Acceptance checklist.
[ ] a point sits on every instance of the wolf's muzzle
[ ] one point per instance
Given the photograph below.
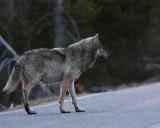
(104, 57)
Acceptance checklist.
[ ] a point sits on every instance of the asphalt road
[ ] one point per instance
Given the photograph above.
(130, 108)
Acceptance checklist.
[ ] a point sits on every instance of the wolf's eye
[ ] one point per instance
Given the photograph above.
(100, 46)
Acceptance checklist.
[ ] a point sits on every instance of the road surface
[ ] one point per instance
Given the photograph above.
(129, 108)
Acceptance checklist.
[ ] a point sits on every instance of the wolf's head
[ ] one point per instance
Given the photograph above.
(100, 52)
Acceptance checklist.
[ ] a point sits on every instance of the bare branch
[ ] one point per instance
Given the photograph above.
(8, 47)
(71, 36)
(74, 24)
(35, 24)
(6, 62)
(43, 25)
(4, 53)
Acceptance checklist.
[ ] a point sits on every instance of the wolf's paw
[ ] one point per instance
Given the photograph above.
(31, 112)
(65, 111)
(77, 109)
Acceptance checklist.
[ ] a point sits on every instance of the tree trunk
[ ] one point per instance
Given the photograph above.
(59, 21)
(11, 17)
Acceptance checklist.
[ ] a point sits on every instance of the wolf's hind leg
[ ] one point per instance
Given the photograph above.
(72, 92)
(25, 102)
(26, 90)
(64, 86)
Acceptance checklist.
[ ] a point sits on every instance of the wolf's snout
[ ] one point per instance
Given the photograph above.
(104, 57)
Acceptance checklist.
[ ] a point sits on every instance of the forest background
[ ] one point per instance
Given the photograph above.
(129, 31)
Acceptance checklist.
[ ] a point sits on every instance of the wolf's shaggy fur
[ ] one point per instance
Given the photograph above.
(63, 65)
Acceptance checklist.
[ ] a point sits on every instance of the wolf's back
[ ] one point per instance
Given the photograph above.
(15, 76)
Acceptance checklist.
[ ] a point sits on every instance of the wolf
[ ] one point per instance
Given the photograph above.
(56, 65)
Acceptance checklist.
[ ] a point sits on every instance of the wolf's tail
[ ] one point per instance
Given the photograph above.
(15, 76)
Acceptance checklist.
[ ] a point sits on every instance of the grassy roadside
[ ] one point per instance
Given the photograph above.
(33, 103)
(124, 86)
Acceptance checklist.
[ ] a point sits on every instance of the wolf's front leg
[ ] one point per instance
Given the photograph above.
(64, 86)
(73, 96)
(61, 99)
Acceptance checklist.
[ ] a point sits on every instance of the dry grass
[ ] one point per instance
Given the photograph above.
(123, 86)
(35, 102)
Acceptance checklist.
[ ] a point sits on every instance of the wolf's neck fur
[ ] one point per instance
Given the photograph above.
(82, 54)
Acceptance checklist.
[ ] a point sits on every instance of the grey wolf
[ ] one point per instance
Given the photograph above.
(56, 65)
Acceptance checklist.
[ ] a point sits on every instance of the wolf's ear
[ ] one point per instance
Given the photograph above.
(96, 38)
